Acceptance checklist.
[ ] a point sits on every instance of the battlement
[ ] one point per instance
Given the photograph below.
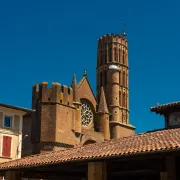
(56, 93)
(112, 38)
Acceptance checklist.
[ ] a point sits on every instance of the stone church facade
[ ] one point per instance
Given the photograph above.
(66, 117)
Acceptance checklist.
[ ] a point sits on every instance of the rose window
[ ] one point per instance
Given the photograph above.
(86, 113)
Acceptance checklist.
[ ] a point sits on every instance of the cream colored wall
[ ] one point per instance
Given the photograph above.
(15, 132)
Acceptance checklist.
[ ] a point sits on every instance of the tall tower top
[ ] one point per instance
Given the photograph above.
(112, 74)
(110, 36)
(113, 38)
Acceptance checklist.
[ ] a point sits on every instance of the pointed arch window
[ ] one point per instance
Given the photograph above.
(105, 57)
(120, 77)
(102, 58)
(127, 80)
(107, 53)
(123, 58)
(115, 54)
(124, 79)
(119, 55)
(110, 55)
(123, 100)
(120, 99)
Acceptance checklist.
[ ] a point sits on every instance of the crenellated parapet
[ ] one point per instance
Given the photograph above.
(57, 93)
(120, 39)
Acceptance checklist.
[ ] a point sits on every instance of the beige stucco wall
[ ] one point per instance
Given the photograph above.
(15, 132)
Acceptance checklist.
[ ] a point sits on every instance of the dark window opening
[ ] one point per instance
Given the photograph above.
(123, 99)
(60, 100)
(8, 121)
(119, 55)
(119, 77)
(123, 58)
(115, 54)
(69, 91)
(124, 79)
(110, 56)
(105, 57)
(105, 77)
(68, 103)
(62, 89)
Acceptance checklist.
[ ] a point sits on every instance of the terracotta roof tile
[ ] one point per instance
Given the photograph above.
(164, 107)
(157, 141)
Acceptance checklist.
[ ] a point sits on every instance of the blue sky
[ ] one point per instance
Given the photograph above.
(52, 40)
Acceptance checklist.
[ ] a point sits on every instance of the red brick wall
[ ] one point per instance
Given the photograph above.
(26, 143)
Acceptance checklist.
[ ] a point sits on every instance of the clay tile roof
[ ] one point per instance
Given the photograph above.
(157, 141)
(102, 107)
(165, 107)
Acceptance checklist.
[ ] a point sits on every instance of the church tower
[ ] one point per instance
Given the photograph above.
(112, 75)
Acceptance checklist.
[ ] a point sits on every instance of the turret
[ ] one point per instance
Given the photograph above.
(77, 105)
(75, 90)
(103, 116)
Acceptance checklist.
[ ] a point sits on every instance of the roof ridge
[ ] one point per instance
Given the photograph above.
(81, 81)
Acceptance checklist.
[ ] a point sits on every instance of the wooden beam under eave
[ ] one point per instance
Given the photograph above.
(50, 174)
(135, 172)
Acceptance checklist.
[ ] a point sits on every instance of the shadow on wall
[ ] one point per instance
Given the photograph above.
(89, 142)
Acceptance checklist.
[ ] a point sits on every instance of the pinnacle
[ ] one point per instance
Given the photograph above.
(75, 90)
(74, 81)
(102, 102)
(85, 73)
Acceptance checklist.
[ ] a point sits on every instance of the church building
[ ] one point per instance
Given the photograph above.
(66, 117)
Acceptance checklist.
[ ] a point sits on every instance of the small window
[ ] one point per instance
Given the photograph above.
(8, 121)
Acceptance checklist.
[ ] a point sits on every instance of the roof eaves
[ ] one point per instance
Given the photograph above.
(17, 107)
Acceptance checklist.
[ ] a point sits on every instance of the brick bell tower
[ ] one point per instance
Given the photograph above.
(112, 75)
